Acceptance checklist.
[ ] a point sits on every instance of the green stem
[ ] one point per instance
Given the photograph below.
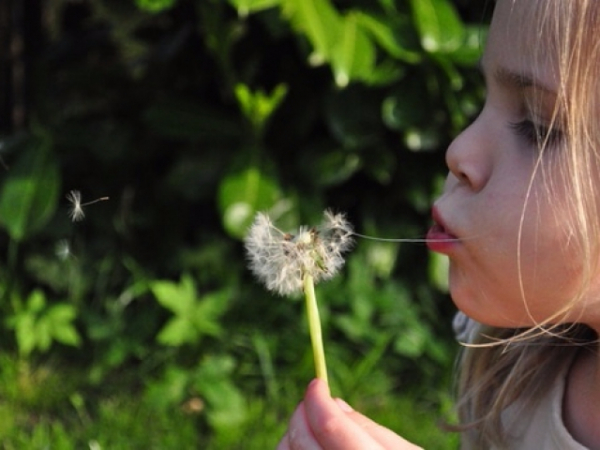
(314, 326)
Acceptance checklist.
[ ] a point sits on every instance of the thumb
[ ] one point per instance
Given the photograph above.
(331, 425)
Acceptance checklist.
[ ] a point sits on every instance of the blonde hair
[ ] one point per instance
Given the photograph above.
(506, 365)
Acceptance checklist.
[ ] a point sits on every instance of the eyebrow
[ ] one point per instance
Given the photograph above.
(509, 78)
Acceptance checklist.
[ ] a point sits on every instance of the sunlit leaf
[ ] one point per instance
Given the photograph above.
(438, 271)
(258, 106)
(176, 297)
(242, 195)
(319, 21)
(29, 195)
(388, 35)
(177, 331)
(353, 56)
(469, 53)
(37, 326)
(194, 316)
(439, 25)
(245, 7)
(60, 317)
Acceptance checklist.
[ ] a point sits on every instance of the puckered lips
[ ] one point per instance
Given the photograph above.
(440, 238)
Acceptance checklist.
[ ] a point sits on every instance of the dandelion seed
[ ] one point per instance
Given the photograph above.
(76, 212)
(63, 250)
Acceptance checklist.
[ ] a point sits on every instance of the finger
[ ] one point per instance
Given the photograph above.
(384, 436)
(330, 425)
(299, 435)
(283, 443)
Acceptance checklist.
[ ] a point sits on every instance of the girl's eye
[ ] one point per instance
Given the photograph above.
(537, 134)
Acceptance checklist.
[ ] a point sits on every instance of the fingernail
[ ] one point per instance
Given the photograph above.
(343, 405)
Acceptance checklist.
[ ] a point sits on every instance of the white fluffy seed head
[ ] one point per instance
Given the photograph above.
(280, 260)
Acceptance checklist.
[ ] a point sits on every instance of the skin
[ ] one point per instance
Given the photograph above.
(511, 265)
(322, 422)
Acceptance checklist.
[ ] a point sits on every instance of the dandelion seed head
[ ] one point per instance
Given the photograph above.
(281, 260)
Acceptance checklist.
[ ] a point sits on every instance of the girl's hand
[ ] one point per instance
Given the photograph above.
(323, 423)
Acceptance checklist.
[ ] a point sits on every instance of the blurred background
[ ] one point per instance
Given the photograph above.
(140, 326)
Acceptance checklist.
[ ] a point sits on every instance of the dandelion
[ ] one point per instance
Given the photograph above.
(76, 212)
(281, 260)
(289, 263)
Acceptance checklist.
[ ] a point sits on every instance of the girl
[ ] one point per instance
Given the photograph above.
(520, 222)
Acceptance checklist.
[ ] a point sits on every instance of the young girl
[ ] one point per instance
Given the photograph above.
(520, 223)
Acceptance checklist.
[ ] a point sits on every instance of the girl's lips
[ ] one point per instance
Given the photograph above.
(439, 238)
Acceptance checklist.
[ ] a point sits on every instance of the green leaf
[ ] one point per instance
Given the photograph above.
(422, 139)
(37, 326)
(388, 35)
(470, 52)
(179, 297)
(438, 271)
(319, 21)
(24, 326)
(178, 331)
(67, 334)
(353, 55)
(36, 302)
(440, 27)
(412, 341)
(29, 195)
(210, 308)
(194, 317)
(155, 6)
(246, 7)
(227, 406)
(242, 195)
(258, 106)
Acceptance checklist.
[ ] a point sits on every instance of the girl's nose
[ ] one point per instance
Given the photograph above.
(468, 157)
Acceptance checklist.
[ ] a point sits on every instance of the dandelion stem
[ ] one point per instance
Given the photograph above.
(314, 326)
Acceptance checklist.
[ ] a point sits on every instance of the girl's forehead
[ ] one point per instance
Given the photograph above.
(519, 43)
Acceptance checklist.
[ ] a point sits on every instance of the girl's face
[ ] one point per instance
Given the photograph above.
(513, 263)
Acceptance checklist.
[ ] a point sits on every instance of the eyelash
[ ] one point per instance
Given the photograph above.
(537, 134)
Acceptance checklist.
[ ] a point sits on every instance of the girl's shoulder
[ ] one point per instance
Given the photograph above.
(542, 426)
(530, 425)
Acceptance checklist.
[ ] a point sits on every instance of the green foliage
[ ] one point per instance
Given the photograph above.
(192, 115)
(258, 107)
(242, 195)
(29, 192)
(38, 325)
(439, 26)
(193, 317)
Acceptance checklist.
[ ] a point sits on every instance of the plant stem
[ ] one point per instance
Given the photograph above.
(314, 326)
